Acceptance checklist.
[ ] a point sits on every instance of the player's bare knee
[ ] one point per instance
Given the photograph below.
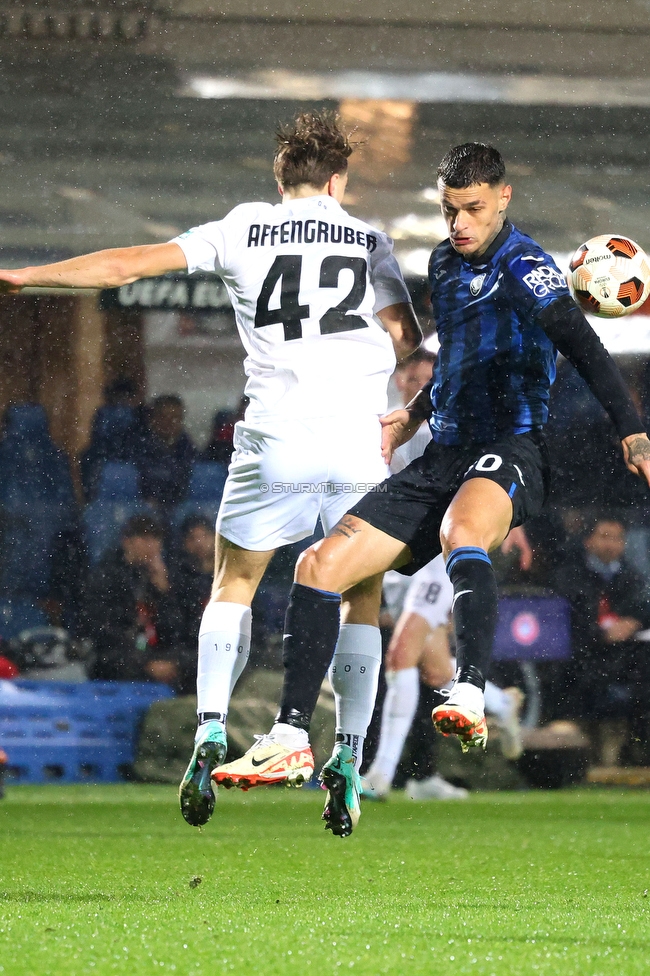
(458, 532)
(454, 534)
(318, 569)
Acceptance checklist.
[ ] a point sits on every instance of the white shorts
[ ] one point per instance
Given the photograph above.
(280, 481)
(394, 590)
(429, 593)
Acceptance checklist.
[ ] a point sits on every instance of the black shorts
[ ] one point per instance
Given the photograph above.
(410, 506)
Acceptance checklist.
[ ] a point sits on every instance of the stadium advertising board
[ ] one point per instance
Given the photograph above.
(198, 293)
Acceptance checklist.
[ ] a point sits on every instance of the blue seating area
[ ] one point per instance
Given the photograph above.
(204, 493)
(54, 731)
(117, 498)
(32, 468)
(38, 504)
(18, 615)
(114, 437)
(72, 733)
(37, 501)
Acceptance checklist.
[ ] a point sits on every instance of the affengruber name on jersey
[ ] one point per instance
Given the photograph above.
(308, 232)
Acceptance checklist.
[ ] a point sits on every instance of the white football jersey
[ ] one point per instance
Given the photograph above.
(431, 593)
(305, 279)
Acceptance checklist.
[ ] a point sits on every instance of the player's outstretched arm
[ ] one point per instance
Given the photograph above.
(402, 325)
(102, 269)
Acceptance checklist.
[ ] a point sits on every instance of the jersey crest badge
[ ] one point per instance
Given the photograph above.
(476, 284)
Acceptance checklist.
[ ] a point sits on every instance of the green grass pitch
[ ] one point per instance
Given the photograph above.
(103, 880)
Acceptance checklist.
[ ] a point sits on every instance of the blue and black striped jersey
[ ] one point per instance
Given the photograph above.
(496, 364)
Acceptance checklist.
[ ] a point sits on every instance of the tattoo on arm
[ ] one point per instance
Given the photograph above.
(639, 450)
(345, 527)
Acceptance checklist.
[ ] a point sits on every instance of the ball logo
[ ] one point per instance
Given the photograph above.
(476, 284)
(525, 628)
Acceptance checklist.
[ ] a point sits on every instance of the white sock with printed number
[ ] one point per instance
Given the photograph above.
(400, 705)
(224, 646)
(353, 674)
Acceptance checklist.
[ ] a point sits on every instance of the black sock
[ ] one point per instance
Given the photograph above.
(311, 629)
(475, 611)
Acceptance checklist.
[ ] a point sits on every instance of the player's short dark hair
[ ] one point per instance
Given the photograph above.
(472, 163)
(141, 525)
(311, 149)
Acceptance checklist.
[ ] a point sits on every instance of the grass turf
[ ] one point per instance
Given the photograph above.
(106, 880)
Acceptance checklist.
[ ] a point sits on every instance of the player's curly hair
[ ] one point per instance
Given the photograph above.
(471, 163)
(311, 149)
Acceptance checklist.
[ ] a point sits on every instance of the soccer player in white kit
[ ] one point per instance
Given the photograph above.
(419, 650)
(308, 283)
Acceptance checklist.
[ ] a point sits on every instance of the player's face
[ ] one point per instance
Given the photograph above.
(606, 542)
(199, 542)
(142, 550)
(474, 215)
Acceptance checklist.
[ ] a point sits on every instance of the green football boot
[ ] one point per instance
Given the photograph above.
(196, 794)
(343, 784)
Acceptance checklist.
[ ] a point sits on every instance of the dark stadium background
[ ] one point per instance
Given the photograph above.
(125, 123)
(104, 142)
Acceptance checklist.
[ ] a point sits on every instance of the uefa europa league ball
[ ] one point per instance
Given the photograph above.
(610, 276)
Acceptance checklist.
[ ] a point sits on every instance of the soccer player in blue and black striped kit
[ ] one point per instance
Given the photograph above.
(503, 311)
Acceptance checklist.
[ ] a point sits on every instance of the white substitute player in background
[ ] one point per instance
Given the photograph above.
(419, 647)
(419, 650)
(306, 280)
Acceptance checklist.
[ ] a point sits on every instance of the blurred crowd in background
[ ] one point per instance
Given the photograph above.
(114, 556)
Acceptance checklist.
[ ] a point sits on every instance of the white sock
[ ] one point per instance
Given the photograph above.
(497, 703)
(353, 674)
(290, 736)
(467, 696)
(400, 704)
(224, 646)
